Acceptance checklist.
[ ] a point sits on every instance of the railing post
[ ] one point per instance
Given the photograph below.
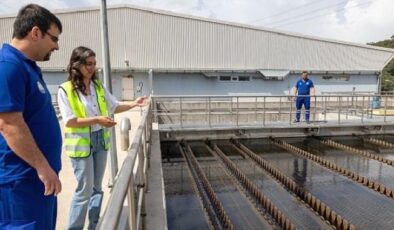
(385, 107)
(142, 178)
(264, 106)
(325, 108)
(369, 107)
(154, 105)
(347, 108)
(147, 143)
(339, 109)
(255, 109)
(280, 108)
(143, 158)
(141, 182)
(209, 111)
(125, 127)
(362, 111)
(237, 111)
(314, 108)
(131, 205)
(206, 110)
(181, 113)
(291, 109)
(143, 213)
(148, 140)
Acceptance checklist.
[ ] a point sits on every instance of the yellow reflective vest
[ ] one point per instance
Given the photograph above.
(77, 141)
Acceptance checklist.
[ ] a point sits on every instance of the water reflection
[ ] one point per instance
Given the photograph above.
(300, 172)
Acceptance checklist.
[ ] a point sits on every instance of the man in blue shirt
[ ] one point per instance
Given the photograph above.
(30, 136)
(304, 88)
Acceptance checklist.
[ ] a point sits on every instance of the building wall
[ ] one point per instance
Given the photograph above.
(356, 83)
(198, 84)
(54, 79)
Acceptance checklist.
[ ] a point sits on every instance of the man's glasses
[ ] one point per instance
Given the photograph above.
(53, 37)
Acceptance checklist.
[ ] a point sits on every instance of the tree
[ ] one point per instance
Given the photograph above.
(388, 71)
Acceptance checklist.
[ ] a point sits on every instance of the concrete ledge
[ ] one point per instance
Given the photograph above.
(156, 217)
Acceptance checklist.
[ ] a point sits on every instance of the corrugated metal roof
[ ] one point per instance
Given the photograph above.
(157, 39)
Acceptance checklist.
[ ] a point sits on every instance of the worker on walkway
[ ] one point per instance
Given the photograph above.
(85, 106)
(303, 89)
(30, 136)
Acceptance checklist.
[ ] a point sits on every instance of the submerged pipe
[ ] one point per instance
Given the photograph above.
(318, 206)
(268, 206)
(357, 151)
(212, 205)
(376, 186)
(378, 142)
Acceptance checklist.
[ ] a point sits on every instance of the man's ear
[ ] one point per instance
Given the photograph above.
(35, 33)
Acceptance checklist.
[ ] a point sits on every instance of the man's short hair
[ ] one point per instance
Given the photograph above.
(304, 71)
(34, 15)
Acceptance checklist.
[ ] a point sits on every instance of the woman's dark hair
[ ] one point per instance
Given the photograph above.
(34, 15)
(77, 59)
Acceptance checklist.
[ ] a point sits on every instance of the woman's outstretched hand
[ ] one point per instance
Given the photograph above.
(141, 101)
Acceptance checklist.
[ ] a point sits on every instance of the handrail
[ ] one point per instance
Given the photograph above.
(198, 111)
(334, 94)
(125, 180)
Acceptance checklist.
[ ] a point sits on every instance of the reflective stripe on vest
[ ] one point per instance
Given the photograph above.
(77, 140)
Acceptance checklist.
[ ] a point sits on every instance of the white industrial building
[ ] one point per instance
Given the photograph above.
(198, 56)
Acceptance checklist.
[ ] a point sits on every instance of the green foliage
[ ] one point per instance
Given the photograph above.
(388, 71)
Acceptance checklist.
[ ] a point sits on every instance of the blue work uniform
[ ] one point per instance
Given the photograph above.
(303, 89)
(22, 201)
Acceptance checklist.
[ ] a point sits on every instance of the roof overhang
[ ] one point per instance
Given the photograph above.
(274, 74)
(214, 73)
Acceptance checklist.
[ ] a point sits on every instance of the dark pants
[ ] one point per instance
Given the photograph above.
(306, 101)
(24, 206)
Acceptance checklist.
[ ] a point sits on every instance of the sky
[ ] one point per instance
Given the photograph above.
(359, 21)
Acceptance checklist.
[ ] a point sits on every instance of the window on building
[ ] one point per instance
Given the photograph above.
(336, 77)
(243, 78)
(225, 78)
(234, 78)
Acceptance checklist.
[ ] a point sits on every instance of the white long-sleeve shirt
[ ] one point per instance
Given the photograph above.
(90, 103)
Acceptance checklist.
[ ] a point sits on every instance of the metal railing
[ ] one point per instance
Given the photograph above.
(131, 181)
(357, 93)
(210, 110)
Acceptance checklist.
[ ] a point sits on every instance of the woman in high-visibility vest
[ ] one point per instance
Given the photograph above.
(85, 105)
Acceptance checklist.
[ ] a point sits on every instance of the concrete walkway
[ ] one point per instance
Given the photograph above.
(68, 179)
